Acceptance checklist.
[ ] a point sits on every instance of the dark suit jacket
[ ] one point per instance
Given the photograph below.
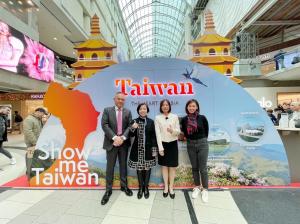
(109, 126)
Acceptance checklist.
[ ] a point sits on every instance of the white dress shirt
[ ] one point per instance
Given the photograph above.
(163, 122)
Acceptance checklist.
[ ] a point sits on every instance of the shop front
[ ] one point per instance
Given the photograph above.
(24, 103)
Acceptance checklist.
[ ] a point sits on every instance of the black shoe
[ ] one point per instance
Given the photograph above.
(127, 191)
(140, 193)
(146, 193)
(172, 195)
(165, 194)
(106, 197)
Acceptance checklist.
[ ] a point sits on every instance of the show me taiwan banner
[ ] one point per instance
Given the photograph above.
(244, 147)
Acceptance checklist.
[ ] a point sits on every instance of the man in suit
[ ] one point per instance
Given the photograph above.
(116, 124)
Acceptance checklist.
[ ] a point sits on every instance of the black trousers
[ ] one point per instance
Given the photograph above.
(4, 152)
(143, 177)
(111, 156)
(198, 154)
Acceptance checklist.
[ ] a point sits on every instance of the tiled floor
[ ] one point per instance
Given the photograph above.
(16, 147)
(83, 206)
(9, 172)
(221, 208)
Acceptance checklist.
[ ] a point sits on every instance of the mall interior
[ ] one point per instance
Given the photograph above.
(251, 47)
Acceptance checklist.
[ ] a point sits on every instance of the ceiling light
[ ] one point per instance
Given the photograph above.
(10, 2)
(20, 2)
(37, 9)
(20, 10)
(54, 38)
(30, 2)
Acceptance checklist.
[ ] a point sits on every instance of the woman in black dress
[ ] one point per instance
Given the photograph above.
(144, 148)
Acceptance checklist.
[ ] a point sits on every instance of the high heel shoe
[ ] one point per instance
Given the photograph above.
(172, 195)
(165, 194)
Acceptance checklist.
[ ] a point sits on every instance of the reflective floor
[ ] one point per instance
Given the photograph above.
(238, 206)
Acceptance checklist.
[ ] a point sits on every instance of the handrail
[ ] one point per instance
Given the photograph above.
(95, 59)
(63, 69)
(271, 60)
(210, 55)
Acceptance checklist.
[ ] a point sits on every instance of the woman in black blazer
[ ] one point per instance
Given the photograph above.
(144, 148)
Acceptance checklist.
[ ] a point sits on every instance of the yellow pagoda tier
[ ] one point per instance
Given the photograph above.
(213, 50)
(93, 55)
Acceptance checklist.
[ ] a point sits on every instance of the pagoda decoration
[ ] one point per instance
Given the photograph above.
(93, 55)
(213, 50)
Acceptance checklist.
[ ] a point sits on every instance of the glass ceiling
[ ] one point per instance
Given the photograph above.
(155, 27)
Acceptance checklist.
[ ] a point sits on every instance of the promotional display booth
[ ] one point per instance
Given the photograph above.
(245, 149)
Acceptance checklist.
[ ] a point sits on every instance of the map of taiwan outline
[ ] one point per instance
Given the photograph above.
(78, 117)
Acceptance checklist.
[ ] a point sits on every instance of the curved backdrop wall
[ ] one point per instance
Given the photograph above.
(245, 148)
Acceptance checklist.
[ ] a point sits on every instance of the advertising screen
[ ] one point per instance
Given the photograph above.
(22, 55)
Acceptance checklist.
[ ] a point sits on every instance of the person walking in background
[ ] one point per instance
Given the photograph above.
(195, 128)
(272, 116)
(144, 148)
(32, 126)
(294, 121)
(116, 124)
(167, 130)
(284, 108)
(279, 59)
(287, 108)
(4, 111)
(18, 122)
(277, 113)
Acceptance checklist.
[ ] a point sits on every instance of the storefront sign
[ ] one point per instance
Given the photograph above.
(21, 96)
(264, 103)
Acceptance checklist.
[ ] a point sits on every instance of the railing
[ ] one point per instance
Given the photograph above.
(79, 79)
(281, 61)
(95, 59)
(211, 55)
(62, 69)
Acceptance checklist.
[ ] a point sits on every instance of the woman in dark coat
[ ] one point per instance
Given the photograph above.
(144, 148)
(4, 111)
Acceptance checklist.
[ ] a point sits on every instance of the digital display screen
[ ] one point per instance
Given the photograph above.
(22, 55)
